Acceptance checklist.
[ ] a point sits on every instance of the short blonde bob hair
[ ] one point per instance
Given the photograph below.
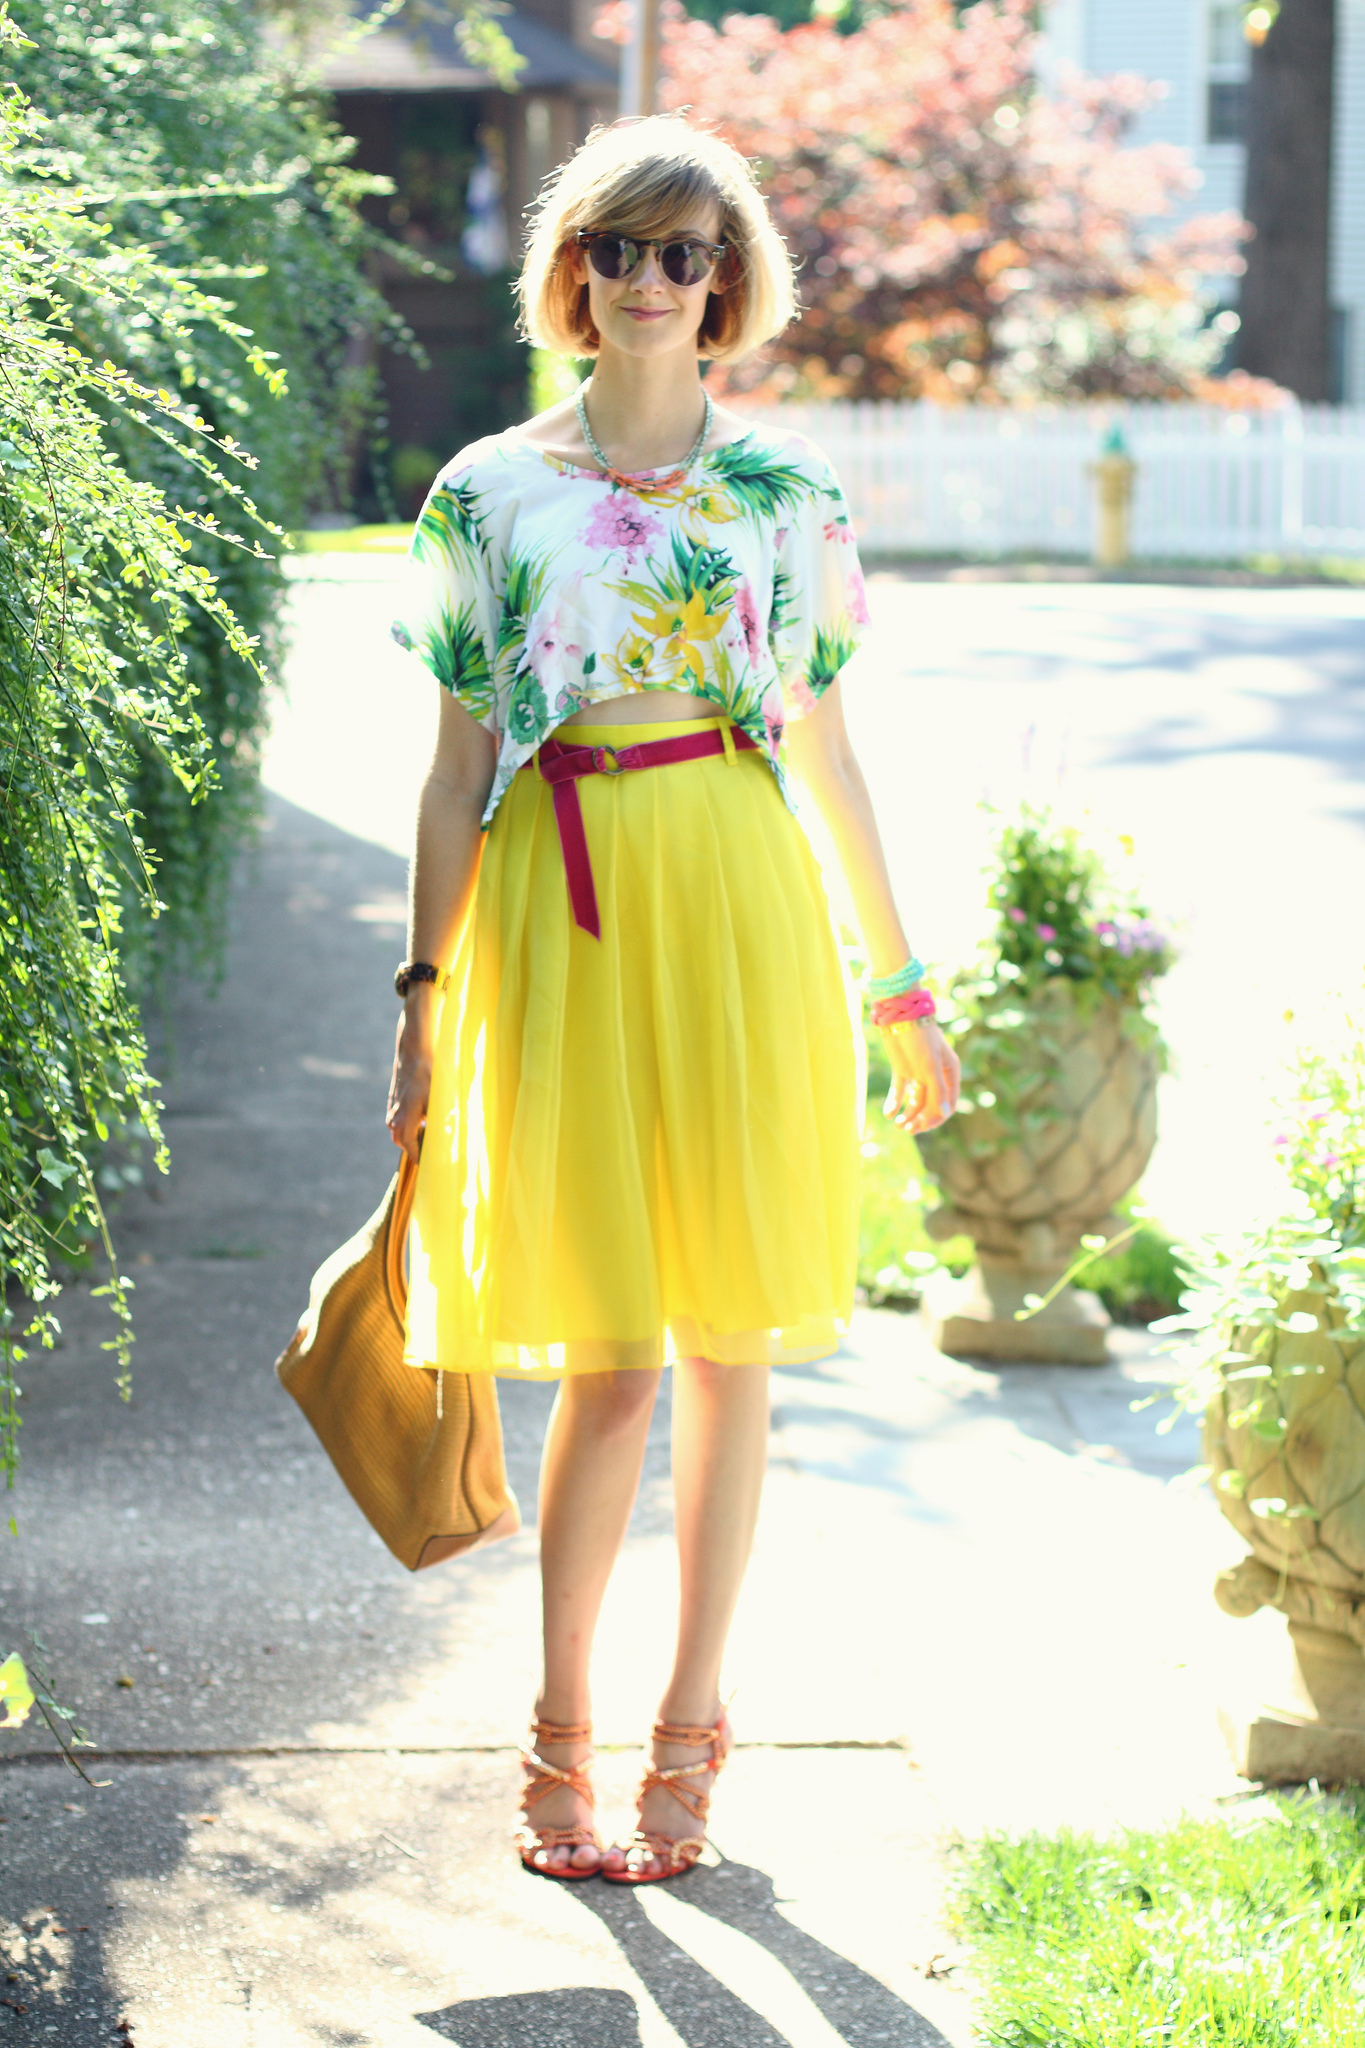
(649, 178)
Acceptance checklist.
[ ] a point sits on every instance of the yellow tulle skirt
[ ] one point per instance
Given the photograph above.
(642, 1146)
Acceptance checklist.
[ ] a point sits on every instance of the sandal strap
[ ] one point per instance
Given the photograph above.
(677, 1853)
(697, 1802)
(559, 1838)
(688, 1737)
(561, 1731)
(545, 1778)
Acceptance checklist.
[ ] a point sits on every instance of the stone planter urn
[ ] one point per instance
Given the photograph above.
(1293, 1485)
(1026, 1197)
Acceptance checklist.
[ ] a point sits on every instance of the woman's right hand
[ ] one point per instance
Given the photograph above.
(410, 1088)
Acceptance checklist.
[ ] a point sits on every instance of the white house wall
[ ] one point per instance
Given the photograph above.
(1348, 189)
(1169, 40)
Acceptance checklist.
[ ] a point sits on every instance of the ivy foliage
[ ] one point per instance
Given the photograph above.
(176, 221)
(192, 135)
(1256, 1302)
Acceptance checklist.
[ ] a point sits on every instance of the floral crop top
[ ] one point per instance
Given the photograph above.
(535, 587)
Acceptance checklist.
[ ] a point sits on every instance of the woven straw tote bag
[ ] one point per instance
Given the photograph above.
(420, 1451)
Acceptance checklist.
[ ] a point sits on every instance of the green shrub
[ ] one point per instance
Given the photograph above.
(187, 135)
(177, 167)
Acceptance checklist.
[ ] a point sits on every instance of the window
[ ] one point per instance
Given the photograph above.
(1225, 112)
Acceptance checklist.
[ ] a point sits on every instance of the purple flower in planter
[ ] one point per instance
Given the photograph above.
(1016, 915)
(1047, 932)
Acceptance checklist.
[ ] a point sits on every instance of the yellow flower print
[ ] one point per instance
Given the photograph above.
(630, 665)
(681, 627)
(700, 504)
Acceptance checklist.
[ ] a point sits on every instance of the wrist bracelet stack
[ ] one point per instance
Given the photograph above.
(898, 984)
(897, 998)
(411, 971)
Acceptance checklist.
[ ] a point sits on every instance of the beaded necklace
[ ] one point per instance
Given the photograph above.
(628, 483)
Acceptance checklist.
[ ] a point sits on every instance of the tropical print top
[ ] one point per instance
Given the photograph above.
(535, 587)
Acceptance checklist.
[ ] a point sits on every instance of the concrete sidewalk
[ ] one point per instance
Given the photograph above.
(976, 1600)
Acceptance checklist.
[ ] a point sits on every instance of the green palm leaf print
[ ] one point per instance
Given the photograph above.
(762, 485)
(449, 526)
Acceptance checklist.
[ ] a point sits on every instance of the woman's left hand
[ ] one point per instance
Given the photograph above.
(925, 1075)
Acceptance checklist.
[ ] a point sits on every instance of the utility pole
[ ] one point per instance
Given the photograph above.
(1284, 302)
(640, 60)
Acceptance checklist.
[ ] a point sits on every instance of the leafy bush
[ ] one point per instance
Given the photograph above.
(962, 234)
(185, 135)
(133, 617)
(1295, 1274)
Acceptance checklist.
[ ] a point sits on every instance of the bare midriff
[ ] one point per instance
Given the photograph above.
(646, 707)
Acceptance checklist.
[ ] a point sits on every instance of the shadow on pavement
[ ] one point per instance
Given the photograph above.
(704, 2012)
(540, 2019)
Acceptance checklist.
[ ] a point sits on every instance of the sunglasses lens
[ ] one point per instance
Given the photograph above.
(616, 256)
(685, 262)
(613, 256)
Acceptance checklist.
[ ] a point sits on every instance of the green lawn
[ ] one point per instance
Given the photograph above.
(1242, 1932)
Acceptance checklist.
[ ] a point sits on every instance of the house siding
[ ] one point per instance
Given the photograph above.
(1169, 40)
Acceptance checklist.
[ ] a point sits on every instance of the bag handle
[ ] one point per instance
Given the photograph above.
(396, 1237)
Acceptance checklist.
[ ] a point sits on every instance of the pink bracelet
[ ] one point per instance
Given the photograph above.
(916, 1003)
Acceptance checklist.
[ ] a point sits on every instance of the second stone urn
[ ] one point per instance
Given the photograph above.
(1285, 1445)
(1082, 1136)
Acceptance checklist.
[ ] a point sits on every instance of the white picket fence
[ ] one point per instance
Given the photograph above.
(1211, 484)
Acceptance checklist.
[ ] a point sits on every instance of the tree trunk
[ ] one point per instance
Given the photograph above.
(1285, 302)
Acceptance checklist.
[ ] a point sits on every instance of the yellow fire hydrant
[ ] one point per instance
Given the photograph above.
(1114, 474)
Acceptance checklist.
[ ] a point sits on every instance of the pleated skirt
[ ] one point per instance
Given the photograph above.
(643, 1146)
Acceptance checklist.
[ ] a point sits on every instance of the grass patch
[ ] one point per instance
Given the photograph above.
(1244, 1932)
(352, 540)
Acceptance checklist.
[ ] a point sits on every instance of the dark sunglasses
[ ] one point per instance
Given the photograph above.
(618, 256)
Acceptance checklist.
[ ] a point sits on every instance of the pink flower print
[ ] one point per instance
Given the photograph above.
(855, 591)
(557, 640)
(621, 522)
(746, 611)
(773, 719)
(801, 697)
(1047, 932)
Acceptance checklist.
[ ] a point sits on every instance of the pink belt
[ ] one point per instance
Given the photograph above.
(562, 766)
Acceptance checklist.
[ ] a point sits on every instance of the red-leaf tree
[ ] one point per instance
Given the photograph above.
(961, 234)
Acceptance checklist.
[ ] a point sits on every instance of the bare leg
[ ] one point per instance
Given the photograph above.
(589, 1474)
(720, 1453)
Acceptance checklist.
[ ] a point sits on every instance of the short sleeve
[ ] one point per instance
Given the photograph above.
(819, 605)
(448, 612)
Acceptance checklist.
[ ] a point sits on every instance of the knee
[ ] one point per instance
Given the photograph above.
(612, 1404)
(718, 1384)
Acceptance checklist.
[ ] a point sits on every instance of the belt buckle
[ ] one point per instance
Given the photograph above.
(599, 764)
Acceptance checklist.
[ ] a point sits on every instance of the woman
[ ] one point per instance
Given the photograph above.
(625, 1028)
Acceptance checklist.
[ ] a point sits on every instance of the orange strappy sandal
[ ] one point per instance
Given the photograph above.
(673, 1857)
(533, 1842)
